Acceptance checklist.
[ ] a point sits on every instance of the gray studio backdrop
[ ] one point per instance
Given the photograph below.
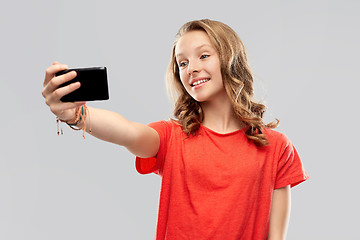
(304, 55)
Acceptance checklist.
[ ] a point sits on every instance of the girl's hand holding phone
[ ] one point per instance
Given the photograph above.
(52, 93)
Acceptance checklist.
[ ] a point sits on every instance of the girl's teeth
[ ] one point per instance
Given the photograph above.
(201, 81)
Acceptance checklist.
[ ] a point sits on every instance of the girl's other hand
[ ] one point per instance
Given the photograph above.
(52, 93)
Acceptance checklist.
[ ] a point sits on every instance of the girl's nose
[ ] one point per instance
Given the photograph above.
(194, 66)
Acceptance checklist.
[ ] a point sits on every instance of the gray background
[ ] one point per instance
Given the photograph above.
(304, 55)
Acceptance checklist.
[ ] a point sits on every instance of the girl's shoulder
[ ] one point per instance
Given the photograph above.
(171, 123)
(276, 137)
(166, 127)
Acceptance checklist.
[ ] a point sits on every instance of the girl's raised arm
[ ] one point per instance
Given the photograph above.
(141, 140)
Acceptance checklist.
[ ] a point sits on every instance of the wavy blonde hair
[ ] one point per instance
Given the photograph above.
(237, 78)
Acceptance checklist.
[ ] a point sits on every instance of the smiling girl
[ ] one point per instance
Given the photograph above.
(225, 173)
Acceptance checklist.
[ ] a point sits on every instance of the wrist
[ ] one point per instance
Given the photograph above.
(77, 117)
(78, 122)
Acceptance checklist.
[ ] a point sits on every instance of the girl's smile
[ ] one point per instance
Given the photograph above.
(198, 82)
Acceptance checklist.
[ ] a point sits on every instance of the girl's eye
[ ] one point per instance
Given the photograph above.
(182, 64)
(204, 56)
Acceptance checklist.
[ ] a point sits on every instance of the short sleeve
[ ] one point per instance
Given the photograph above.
(290, 169)
(154, 164)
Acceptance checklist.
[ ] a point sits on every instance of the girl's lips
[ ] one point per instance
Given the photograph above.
(199, 85)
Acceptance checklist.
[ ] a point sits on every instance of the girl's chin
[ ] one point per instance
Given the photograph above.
(200, 100)
(197, 98)
(201, 97)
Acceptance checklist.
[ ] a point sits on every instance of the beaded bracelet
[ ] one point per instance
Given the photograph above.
(77, 118)
(81, 113)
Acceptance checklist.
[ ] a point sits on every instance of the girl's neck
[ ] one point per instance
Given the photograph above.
(219, 116)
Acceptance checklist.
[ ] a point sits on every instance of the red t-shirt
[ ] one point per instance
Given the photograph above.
(218, 186)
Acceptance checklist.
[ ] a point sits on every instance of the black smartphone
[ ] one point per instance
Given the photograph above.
(94, 84)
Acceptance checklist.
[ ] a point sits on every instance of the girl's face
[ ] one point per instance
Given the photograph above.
(199, 66)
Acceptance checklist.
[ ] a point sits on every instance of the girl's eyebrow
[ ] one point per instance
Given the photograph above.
(198, 47)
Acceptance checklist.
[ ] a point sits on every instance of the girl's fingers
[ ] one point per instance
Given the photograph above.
(50, 71)
(60, 92)
(57, 81)
(54, 97)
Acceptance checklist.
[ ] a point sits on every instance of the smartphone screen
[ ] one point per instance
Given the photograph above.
(94, 84)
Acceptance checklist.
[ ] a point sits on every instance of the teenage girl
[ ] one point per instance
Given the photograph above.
(225, 173)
